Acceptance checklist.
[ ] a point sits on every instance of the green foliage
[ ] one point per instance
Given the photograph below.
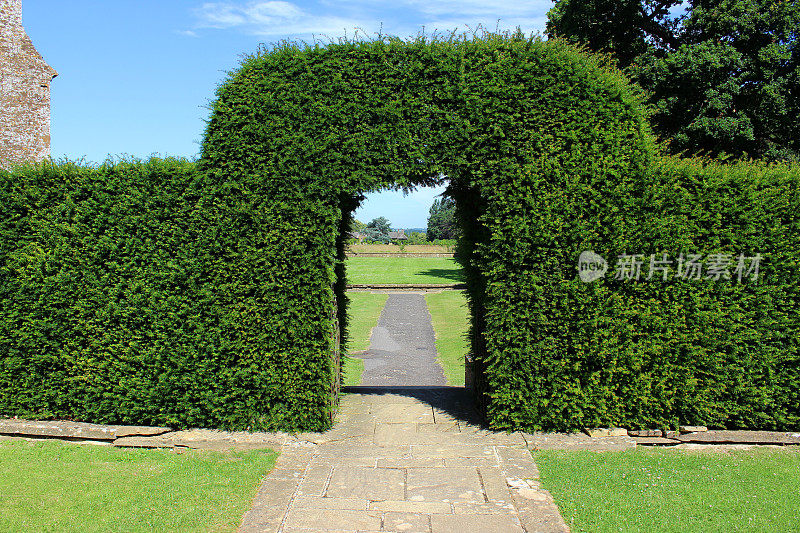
(442, 220)
(139, 293)
(381, 225)
(724, 78)
(651, 353)
(161, 293)
(357, 225)
(417, 237)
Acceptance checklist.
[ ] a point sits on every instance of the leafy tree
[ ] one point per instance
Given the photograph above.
(381, 225)
(417, 237)
(378, 229)
(723, 77)
(442, 220)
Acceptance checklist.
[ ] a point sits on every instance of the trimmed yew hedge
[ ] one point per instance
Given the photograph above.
(305, 132)
(561, 354)
(171, 293)
(134, 293)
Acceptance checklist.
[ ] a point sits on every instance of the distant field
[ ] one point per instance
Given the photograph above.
(393, 248)
(433, 270)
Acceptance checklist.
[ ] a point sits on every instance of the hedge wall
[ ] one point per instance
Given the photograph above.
(563, 354)
(134, 293)
(208, 295)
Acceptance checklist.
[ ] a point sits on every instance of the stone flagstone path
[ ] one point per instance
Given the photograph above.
(404, 459)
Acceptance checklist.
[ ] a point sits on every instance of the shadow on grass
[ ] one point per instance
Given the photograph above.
(444, 274)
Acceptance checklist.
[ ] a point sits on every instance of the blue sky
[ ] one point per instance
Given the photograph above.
(136, 76)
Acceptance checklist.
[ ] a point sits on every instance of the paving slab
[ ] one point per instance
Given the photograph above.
(445, 485)
(64, 429)
(476, 522)
(367, 483)
(407, 522)
(441, 474)
(333, 519)
(741, 437)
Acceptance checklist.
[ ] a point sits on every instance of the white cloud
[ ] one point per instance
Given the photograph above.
(401, 17)
(219, 15)
(186, 33)
(271, 18)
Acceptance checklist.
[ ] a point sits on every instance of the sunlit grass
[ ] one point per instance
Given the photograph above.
(57, 486)
(365, 309)
(378, 270)
(450, 317)
(664, 490)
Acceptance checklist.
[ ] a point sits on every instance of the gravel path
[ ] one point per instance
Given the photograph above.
(402, 348)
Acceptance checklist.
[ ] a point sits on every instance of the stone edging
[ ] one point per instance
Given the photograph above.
(699, 435)
(608, 439)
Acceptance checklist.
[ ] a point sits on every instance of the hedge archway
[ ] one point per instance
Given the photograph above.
(533, 138)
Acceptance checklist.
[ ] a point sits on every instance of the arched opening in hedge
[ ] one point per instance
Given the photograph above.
(172, 293)
(529, 134)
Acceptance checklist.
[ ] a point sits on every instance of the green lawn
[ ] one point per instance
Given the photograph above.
(57, 486)
(434, 270)
(662, 490)
(365, 309)
(450, 317)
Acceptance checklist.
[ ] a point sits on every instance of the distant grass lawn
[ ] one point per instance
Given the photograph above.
(433, 270)
(365, 309)
(395, 249)
(662, 490)
(57, 486)
(450, 317)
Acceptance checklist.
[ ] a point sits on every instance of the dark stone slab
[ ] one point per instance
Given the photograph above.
(741, 437)
(62, 429)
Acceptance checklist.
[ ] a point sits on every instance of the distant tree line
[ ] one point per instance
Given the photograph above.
(442, 225)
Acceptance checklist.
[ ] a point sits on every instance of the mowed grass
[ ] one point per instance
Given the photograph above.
(662, 490)
(378, 270)
(57, 486)
(396, 249)
(450, 317)
(364, 311)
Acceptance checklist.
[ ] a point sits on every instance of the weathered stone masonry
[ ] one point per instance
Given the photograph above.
(24, 92)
